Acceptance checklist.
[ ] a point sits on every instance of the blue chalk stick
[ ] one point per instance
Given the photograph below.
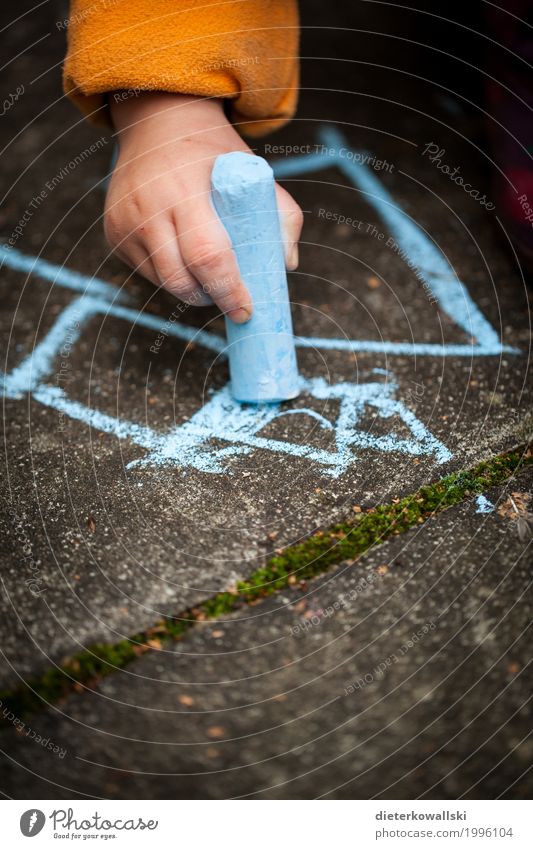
(262, 356)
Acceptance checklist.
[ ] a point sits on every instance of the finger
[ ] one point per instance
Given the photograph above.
(206, 250)
(136, 256)
(291, 220)
(124, 242)
(172, 275)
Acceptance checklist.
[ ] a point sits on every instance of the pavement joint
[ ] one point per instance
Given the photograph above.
(344, 542)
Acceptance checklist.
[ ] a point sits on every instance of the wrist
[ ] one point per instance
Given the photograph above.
(130, 111)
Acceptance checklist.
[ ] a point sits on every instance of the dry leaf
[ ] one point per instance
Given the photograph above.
(515, 505)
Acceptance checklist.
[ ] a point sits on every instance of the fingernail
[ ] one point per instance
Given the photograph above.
(292, 261)
(239, 316)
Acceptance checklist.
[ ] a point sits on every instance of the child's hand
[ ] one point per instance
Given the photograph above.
(159, 217)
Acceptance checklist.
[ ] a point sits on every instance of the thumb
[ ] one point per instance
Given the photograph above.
(291, 220)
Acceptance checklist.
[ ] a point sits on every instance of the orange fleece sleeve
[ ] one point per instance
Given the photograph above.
(244, 50)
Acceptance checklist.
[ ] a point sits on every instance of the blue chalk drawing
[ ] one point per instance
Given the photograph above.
(432, 267)
(483, 505)
(196, 443)
(240, 425)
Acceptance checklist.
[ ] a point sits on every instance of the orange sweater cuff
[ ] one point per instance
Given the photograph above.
(246, 51)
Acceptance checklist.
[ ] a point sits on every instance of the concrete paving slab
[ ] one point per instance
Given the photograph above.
(135, 489)
(119, 540)
(404, 675)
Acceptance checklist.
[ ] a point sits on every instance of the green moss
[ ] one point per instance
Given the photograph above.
(344, 541)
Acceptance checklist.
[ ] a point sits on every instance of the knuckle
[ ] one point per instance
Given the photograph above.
(112, 228)
(121, 216)
(178, 283)
(203, 255)
(221, 287)
(166, 271)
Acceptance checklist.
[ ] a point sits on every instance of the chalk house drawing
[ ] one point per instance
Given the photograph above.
(239, 425)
